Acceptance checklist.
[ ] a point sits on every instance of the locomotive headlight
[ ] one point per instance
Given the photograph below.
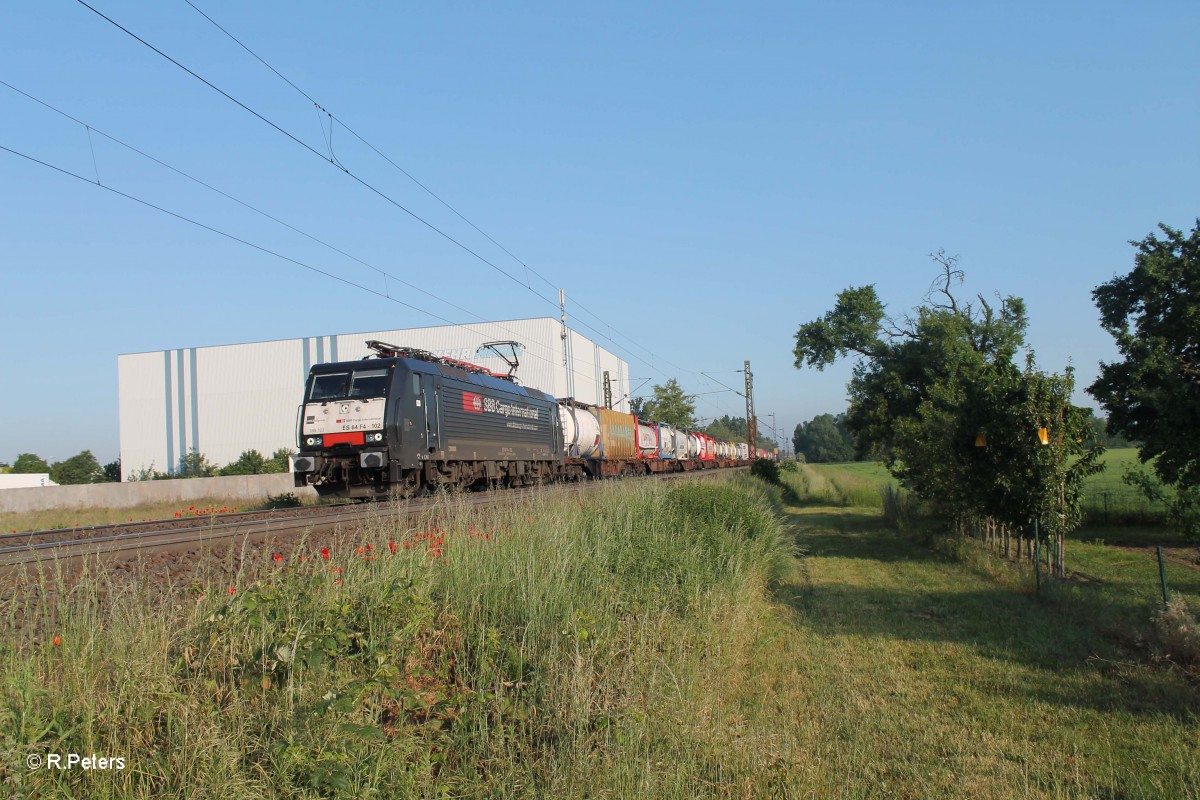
(312, 441)
(375, 437)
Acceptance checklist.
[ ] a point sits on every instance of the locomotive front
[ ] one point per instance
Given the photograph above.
(347, 433)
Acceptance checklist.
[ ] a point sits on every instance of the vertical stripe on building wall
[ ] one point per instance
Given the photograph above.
(333, 348)
(307, 361)
(182, 406)
(320, 349)
(195, 403)
(170, 425)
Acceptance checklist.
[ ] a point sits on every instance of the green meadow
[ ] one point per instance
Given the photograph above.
(722, 639)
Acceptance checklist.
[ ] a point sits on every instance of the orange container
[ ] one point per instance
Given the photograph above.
(618, 434)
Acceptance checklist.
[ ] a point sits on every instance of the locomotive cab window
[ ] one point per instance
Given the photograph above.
(369, 383)
(329, 385)
(361, 383)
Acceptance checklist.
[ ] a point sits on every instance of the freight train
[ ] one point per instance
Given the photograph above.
(407, 421)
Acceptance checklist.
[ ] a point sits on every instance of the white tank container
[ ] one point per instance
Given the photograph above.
(581, 432)
(647, 439)
(666, 439)
(681, 444)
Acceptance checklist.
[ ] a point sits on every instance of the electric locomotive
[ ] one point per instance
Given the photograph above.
(407, 420)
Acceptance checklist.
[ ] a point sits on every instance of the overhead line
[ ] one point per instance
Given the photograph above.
(317, 153)
(334, 118)
(332, 161)
(226, 195)
(431, 193)
(260, 248)
(243, 203)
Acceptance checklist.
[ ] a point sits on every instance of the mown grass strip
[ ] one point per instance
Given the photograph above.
(921, 677)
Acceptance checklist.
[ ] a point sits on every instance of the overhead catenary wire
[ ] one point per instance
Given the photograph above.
(528, 269)
(331, 159)
(334, 118)
(265, 214)
(229, 196)
(328, 159)
(258, 247)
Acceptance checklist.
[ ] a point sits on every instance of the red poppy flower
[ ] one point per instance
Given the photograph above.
(325, 553)
(278, 558)
(339, 570)
(57, 641)
(232, 590)
(392, 546)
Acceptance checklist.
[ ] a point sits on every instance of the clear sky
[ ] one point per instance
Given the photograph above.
(704, 177)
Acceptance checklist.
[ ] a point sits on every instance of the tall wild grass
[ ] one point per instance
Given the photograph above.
(563, 647)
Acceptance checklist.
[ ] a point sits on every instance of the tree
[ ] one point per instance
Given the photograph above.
(278, 462)
(112, 471)
(734, 429)
(250, 462)
(824, 439)
(193, 465)
(1152, 395)
(672, 406)
(938, 397)
(29, 463)
(81, 468)
(637, 407)
(1102, 431)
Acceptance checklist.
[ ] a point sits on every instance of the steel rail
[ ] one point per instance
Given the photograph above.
(260, 529)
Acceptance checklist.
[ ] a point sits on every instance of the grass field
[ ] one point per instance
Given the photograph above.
(652, 642)
(922, 677)
(50, 519)
(1107, 499)
(1115, 576)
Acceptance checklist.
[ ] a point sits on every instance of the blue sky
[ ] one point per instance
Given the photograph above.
(704, 177)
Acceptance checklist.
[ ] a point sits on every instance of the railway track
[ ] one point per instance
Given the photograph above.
(127, 540)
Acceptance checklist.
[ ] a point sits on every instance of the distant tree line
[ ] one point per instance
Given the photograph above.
(827, 439)
(195, 464)
(84, 468)
(81, 468)
(824, 439)
(733, 429)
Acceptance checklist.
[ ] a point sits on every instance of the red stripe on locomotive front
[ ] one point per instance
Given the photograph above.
(343, 438)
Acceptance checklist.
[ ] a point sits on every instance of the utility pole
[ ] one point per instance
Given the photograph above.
(751, 422)
(566, 343)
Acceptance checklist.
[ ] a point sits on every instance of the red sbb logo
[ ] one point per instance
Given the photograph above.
(472, 402)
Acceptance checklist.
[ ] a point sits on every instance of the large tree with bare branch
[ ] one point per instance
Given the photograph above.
(931, 385)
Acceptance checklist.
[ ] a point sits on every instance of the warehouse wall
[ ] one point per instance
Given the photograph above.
(227, 399)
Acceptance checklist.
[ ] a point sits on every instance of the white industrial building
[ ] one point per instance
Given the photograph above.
(224, 400)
